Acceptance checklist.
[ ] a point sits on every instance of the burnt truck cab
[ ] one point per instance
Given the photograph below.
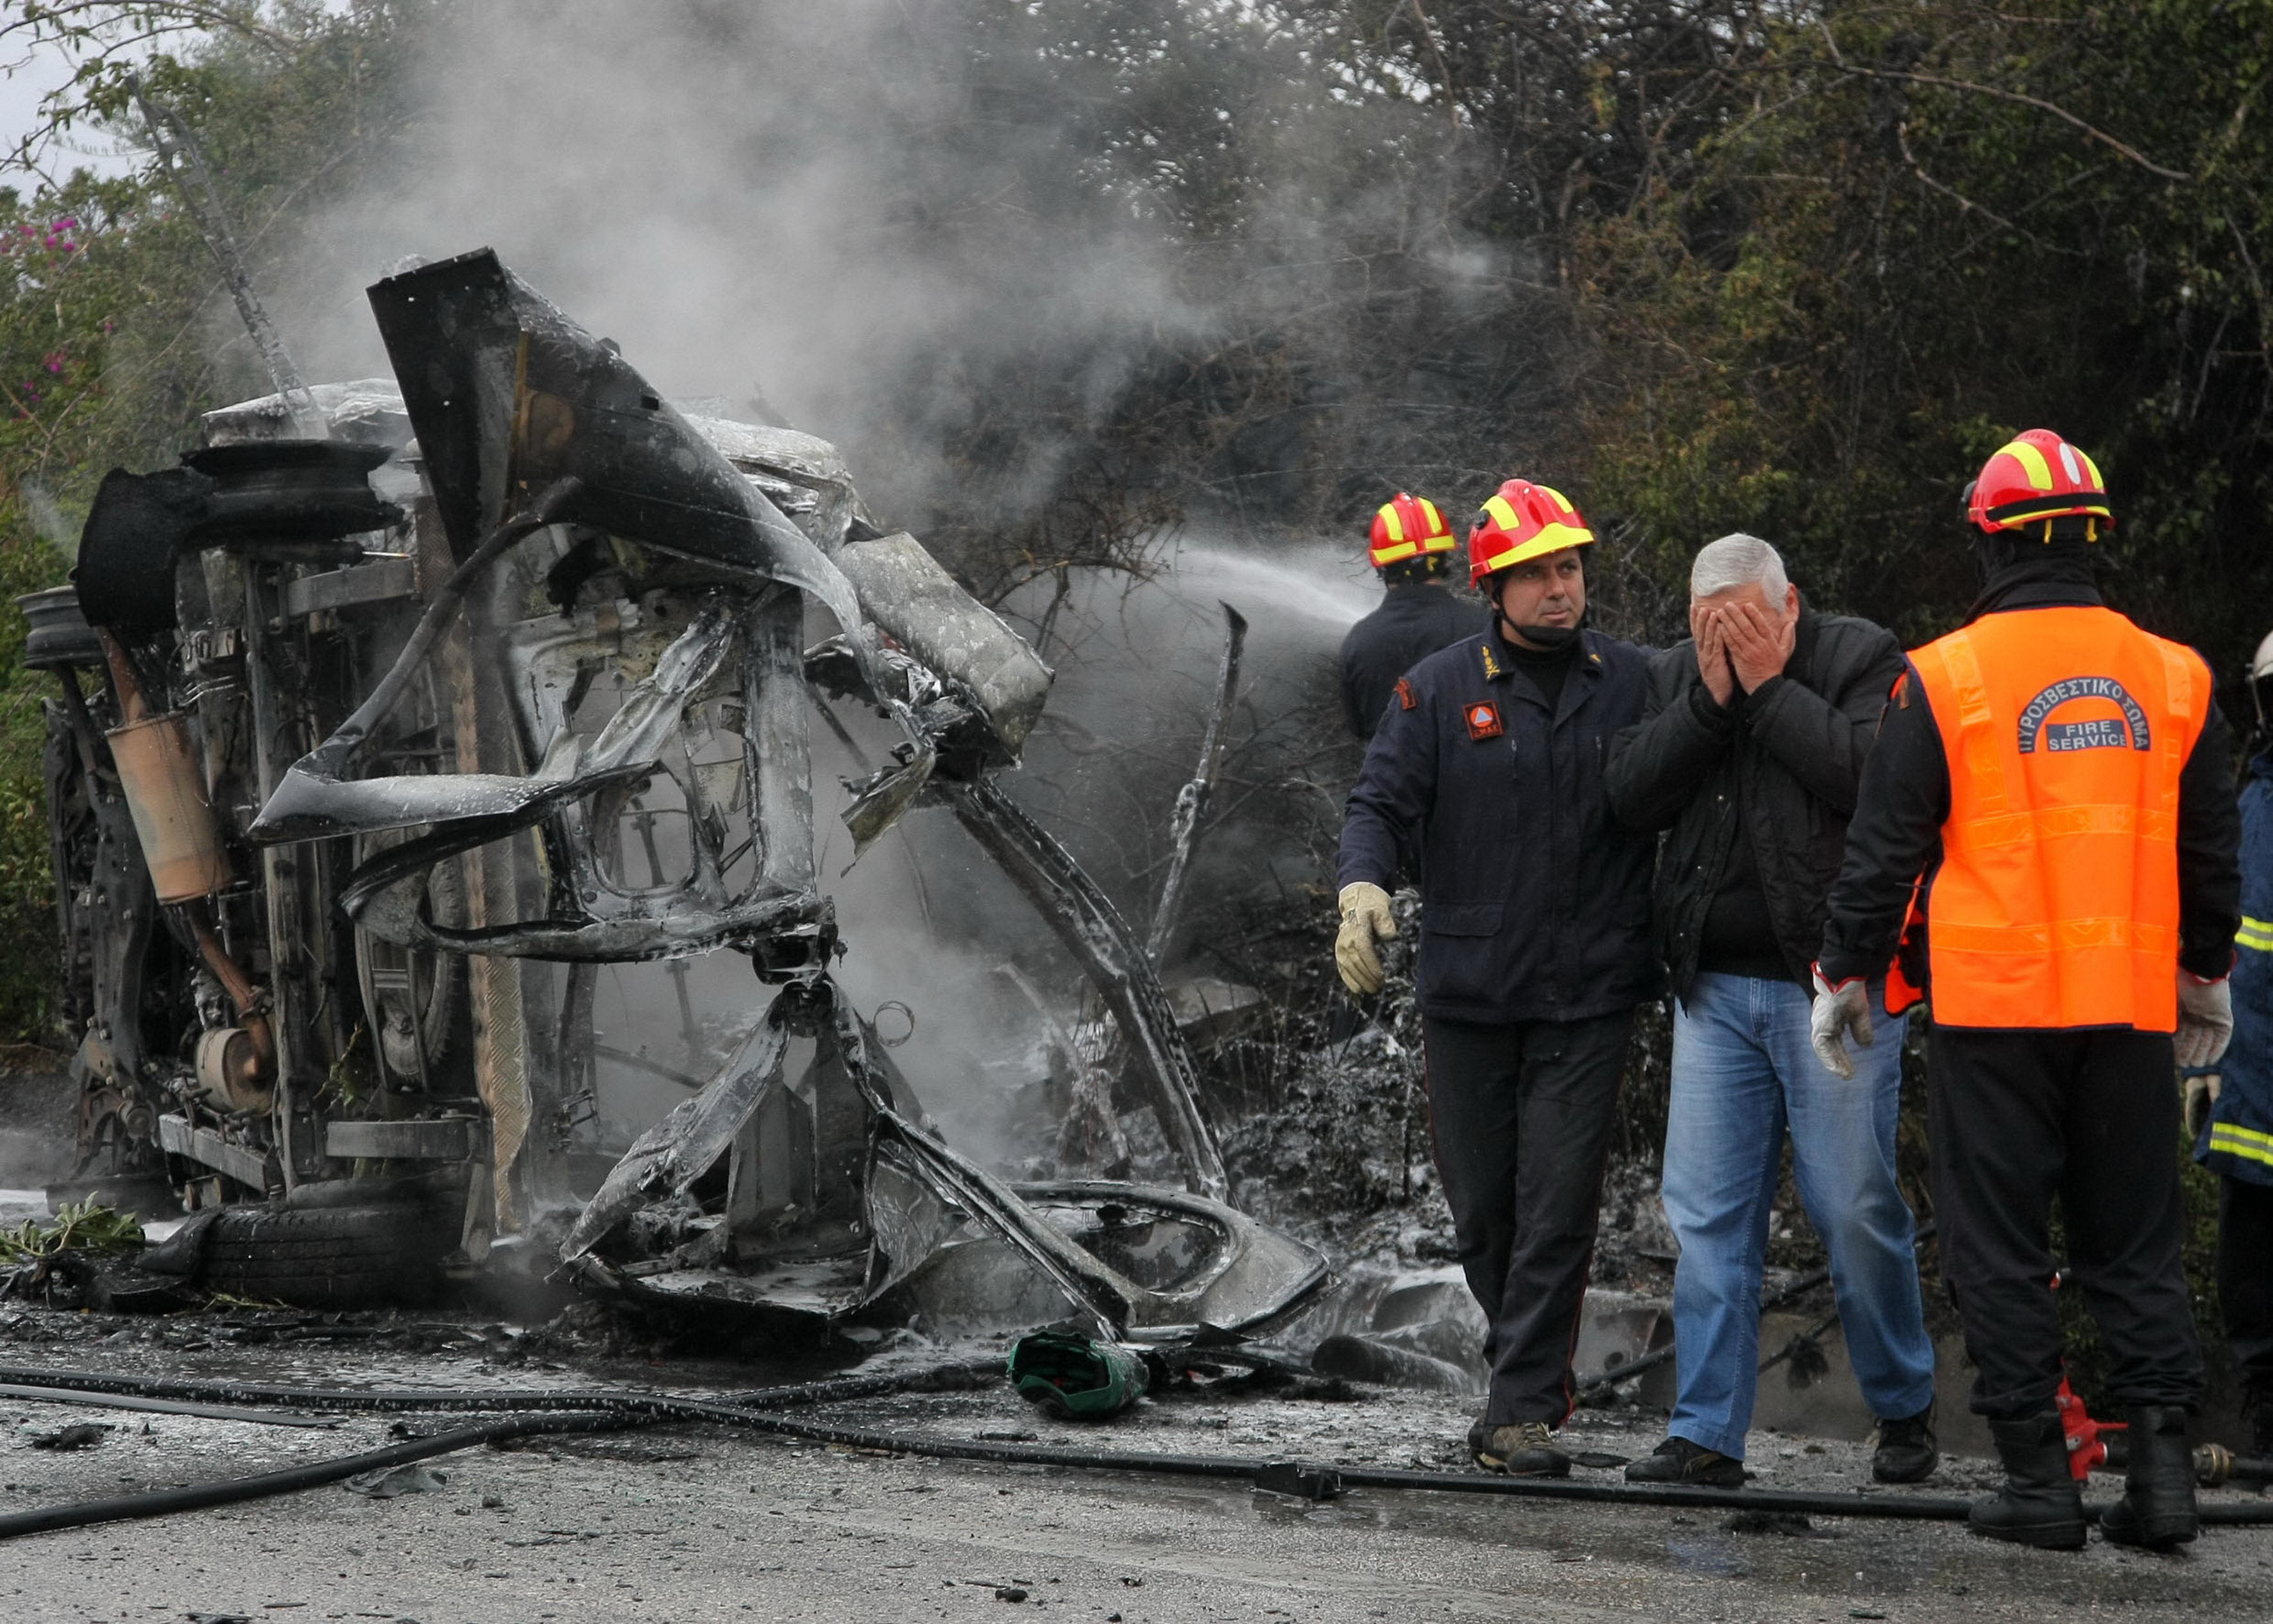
(403, 706)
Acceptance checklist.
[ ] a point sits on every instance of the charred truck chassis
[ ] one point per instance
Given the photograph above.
(346, 800)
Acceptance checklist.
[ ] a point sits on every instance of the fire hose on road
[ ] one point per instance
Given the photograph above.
(537, 1411)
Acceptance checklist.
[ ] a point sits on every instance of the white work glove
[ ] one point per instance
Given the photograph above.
(1365, 919)
(2205, 1019)
(2197, 1094)
(1839, 1011)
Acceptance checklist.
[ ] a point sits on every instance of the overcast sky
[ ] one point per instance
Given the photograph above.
(27, 78)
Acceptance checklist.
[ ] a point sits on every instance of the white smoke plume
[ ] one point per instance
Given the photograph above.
(895, 223)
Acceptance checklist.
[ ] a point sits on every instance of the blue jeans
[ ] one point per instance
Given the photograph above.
(1742, 1072)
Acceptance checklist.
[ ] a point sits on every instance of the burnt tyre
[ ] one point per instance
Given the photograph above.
(337, 1257)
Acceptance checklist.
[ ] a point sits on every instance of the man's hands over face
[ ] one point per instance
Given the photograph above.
(1760, 643)
(1711, 652)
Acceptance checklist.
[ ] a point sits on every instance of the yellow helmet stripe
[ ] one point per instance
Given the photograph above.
(1394, 553)
(1503, 511)
(2032, 463)
(1390, 522)
(1553, 538)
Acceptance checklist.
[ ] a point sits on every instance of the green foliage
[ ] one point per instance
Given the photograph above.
(1918, 228)
(78, 1226)
(115, 332)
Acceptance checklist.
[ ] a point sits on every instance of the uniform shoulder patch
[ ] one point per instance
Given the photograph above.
(1406, 697)
(1483, 719)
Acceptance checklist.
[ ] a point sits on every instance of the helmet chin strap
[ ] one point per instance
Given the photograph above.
(1548, 637)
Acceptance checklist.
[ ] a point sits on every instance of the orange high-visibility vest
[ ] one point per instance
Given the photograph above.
(2056, 901)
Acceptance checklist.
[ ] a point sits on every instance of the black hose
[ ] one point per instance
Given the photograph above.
(196, 1497)
(158, 1406)
(637, 1408)
(491, 1400)
(1846, 1504)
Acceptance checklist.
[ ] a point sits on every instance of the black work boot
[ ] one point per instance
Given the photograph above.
(2157, 1508)
(2260, 1406)
(1677, 1460)
(1907, 1451)
(2040, 1504)
(1519, 1449)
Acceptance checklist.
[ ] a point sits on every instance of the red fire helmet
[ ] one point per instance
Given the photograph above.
(2036, 477)
(1519, 521)
(1408, 527)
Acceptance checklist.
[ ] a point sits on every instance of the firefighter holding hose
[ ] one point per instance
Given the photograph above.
(2050, 805)
(1412, 549)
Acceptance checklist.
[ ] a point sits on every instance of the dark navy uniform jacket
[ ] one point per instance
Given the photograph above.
(1535, 901)
(1413, 622)
(2238, 1140)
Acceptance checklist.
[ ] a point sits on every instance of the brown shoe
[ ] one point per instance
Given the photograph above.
(1521, 1449)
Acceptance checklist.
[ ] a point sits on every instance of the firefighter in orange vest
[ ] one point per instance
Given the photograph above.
(2051, 808)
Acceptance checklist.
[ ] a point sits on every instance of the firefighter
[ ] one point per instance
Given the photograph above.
(1534, 939)
(2059, 779)
(1411, 549)
(2231, 1107)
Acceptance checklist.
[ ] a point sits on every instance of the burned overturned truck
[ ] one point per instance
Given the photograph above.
(400, 710)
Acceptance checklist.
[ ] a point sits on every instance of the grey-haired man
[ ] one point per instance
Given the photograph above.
(1751, 746)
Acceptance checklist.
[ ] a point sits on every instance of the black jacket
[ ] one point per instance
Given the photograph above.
(1535, 901)
(1411, 624)
(1904, 802)
(1787, 757)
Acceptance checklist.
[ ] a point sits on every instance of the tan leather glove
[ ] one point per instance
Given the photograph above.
(2199, 1092)
(1365, 920)
(2205, 1019)
(1837, 1014)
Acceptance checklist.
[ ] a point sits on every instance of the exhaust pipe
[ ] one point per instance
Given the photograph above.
(165, 792)
(181, 846)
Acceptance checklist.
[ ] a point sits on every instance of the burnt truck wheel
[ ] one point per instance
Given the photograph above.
(339, 1257)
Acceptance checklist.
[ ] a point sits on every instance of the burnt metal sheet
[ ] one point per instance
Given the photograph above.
(448, 1139)
(379, 581)
(508, 394)
(1085, 920)
(177, 1136)
(909, 594)
(688, 1141)
(314, 800)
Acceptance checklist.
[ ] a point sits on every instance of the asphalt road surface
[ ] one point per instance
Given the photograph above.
(700, 1523)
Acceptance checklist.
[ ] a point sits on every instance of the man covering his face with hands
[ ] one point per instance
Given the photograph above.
(1751, 743)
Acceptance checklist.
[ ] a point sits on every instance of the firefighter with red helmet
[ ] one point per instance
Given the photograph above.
(1412, 549)
(1484, 784)
(2050, 803)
